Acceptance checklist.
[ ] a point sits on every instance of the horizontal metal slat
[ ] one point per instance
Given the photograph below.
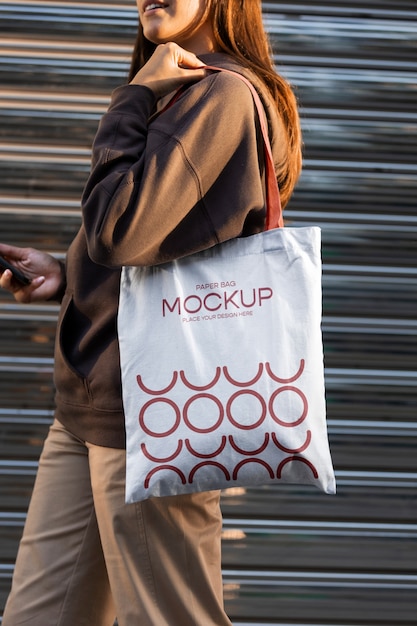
(31, 388)
(347, 42)
(27, 338)
(355, 502)
(88, 20)
(383, 9)
(17, 208)
(367, 295)
(326, 190)
(46, 311)
(353, 599)
(369, 247)
(47, 129)
(353, 349)
(376, 90)
(39, 231)
(40, 417)
(97, 76)
(323, 579)
(375, 141)
(34, 178)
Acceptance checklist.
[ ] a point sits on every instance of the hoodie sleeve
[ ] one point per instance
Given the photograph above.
(177, 184)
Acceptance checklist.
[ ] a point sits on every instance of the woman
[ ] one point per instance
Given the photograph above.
(165, 182)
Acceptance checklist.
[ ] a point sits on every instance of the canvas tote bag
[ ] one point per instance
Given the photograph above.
(222, 363)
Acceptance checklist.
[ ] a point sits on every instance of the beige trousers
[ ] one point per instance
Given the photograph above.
(86, 556)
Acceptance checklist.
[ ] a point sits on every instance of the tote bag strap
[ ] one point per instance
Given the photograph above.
(274, 217)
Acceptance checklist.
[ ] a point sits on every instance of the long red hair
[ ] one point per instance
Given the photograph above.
(239, 31)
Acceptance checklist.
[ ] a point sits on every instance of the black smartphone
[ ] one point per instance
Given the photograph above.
(5, 265)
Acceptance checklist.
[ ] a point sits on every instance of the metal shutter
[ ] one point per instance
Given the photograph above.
(291, 555)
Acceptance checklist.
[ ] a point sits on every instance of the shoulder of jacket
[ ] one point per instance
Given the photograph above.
(217, 92)
(226, 90)
(226, 80)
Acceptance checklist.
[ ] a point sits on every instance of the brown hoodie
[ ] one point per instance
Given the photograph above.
(161, 187)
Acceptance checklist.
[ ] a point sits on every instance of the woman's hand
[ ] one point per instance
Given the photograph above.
(45, 272)
(169, 67)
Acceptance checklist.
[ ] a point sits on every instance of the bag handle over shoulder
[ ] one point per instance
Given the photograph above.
(274, 217)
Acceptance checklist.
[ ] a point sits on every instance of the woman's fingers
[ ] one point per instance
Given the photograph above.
(184, 58)
(21, 293)
(169, 67)
(44, 270)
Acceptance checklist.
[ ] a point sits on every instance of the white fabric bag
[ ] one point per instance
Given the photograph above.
(222, 366)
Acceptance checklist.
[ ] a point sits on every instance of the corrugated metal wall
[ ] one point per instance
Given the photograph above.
(291, 555)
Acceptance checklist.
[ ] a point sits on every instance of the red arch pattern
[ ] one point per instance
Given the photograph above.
(250, 452)
(203, 464)
(259, 461)
(200, 455)
(285, 381)
(244, 384)
(157, 392)
(203, 387)
(166, 459)
(292, 450)
(296, 458)
(161, 468)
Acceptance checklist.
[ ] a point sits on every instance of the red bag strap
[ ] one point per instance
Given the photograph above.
(274, 217)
